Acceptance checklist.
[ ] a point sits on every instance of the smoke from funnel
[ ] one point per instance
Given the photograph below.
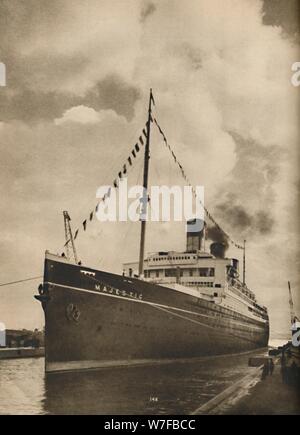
(217, 236)
(255, 223)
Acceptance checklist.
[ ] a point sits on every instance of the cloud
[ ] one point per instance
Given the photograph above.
(79, 114)
(148, 9)
(114, 93)
(283, 14)
(34, 106)
(248, 223)
(87, 115)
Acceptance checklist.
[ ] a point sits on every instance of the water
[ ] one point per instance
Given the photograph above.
(177, 388)
(276, 342)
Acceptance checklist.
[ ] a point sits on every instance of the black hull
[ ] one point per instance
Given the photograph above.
(97, 319)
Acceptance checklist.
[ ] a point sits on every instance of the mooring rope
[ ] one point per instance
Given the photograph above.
(20, 281)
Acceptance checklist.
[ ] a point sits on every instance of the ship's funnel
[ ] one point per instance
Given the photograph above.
(194, 235)
(218, 249)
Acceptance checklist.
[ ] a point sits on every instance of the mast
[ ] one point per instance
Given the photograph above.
(66, 221)
(145, 189)
(244, 264)
(292, 311)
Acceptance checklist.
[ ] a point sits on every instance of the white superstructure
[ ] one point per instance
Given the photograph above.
(205, 275)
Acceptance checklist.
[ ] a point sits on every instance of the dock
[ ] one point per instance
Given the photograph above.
(256, 394)
(21, 352)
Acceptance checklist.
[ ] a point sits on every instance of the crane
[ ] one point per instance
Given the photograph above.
(69, 238)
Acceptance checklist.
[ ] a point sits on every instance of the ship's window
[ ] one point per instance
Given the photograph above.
(191, 272)
(215, 295)
(171, 272)
(206, 271)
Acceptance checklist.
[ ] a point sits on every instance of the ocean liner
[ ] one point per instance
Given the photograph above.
(166, 306)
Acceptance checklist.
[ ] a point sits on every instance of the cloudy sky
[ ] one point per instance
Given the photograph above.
(78, 78)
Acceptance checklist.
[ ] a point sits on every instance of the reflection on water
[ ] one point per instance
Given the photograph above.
(176, 388)
(22, 386)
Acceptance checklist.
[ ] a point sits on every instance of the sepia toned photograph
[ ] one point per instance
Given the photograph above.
(149, 232)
